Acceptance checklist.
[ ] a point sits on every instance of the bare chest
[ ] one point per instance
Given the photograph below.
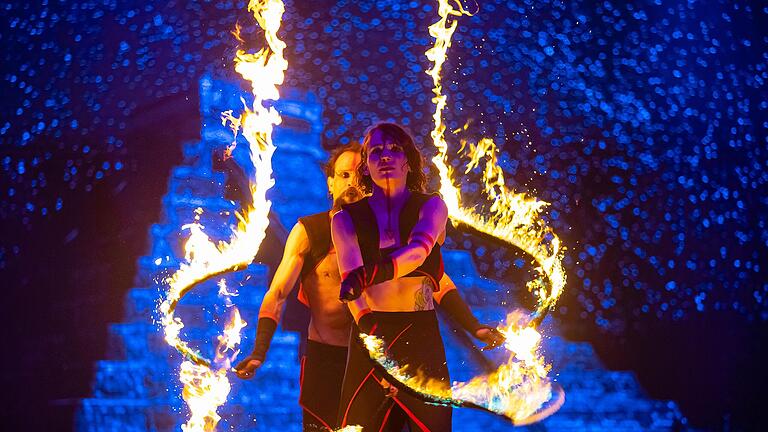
(327, 270)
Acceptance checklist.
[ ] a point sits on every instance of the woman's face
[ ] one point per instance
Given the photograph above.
(386, 160)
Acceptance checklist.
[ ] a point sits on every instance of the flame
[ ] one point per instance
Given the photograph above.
(205, 389)
(514, 217)
(229, 340)
(519, 387)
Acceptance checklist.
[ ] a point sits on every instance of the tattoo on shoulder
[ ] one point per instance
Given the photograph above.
(423, 296)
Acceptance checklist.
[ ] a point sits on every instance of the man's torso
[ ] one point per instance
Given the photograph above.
(329, 318)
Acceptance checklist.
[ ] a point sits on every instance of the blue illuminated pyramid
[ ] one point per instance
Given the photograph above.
(137, 388)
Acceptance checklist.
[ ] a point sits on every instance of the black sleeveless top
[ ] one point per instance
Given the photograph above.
(367, 231)
(318, 229)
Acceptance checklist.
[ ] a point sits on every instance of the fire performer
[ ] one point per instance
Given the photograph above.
(309, 257)
(388, 247)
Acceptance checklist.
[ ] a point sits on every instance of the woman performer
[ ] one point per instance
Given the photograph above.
(388, 247)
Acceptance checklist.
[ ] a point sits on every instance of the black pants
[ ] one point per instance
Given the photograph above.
(413, 339)
(322, 373)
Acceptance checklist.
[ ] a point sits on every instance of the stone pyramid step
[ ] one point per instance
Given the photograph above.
(665, 419)
(137, 340)
(217, 216)
(598, 381)
(128, 415)
(172, 237)
(160, 415)
(251, 283)
(190, 180)
(563, 353)
(156, 379)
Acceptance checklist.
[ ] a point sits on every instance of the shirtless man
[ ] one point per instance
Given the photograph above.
(309, 257)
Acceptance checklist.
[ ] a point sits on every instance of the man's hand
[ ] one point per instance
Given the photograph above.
(246, 369)
(491, 337)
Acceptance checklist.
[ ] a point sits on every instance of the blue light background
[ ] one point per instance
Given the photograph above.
(643, 123)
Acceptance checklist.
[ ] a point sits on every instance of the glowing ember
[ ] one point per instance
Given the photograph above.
(205, 389)
(519, 387)
(223, 292)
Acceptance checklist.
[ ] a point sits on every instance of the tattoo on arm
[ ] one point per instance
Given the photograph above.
(423, 296)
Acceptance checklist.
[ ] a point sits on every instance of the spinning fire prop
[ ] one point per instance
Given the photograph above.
(517, 390)
(206, 385)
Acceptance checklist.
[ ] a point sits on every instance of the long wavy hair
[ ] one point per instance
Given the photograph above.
(416, 180)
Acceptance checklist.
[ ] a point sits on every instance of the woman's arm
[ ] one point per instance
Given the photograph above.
(428, 229)
(349, 256)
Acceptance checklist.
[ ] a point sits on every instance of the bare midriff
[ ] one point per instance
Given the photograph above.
(329, 318)
(406, 294)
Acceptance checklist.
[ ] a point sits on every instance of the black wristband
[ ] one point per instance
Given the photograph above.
(459, 311)
(364, 276)
(265, 329)
(380, 272)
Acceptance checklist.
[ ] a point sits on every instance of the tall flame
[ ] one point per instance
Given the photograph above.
(514, 216)
(519, 387)
(205, 389)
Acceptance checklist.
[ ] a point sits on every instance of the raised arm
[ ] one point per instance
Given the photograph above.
(296, 248)
(349, 257)
(428, 230)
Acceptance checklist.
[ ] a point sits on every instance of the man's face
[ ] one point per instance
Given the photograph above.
(343, 185)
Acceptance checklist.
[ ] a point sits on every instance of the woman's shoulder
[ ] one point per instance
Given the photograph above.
(434, 204)
(432, 199)
(423, 197)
